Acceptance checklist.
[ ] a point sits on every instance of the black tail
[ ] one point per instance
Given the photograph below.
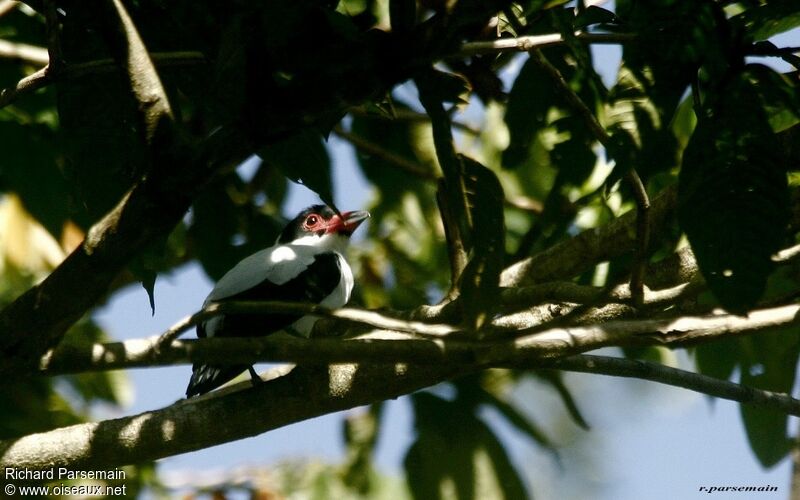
(208, 377)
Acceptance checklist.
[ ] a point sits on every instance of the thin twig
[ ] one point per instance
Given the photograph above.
(457, 254)
(23, 52)
(532, 42)
(642, 234)
(365, 317)
(654, 372)
(383, 346)
(640, 196)
(410, 116)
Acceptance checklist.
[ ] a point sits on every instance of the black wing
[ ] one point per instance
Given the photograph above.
(318, 281)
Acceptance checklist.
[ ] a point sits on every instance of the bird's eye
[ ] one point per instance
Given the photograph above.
(312, 220)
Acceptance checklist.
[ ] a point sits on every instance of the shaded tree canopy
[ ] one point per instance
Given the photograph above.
(525, 213)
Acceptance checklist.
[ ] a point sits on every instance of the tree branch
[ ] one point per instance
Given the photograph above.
(533, 42)
(45, 77)
(371, 318)
(654, 372)
(532, 342)
(23, 52)
(576, 255)
(37, 320)
(193, 424)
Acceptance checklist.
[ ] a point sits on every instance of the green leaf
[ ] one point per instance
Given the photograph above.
(778, 95)
(360, 435)
(480, 280)
(674, 40)
(30, 169)
(444, 87)
(640, 136)
(770, 365)
(515, 417)
(594, 15)
(529, 101)
(733, 194)
(404, 139)
(456, 455)
(555, 378)
(304, 159)
(224, 230)
(718, 359)
(766, 20)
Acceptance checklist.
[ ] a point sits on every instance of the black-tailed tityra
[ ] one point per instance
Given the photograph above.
(306, 264)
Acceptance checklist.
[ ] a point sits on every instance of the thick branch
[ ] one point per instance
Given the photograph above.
(38, 319)
(194, 424)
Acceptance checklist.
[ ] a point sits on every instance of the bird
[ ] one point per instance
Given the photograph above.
(306, 264)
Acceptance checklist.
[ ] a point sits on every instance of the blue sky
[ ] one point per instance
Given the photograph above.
(647, 441)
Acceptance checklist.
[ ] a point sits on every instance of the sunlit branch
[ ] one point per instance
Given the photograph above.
(532, 42)
(23, 52)
(376, 347)
(365, 317)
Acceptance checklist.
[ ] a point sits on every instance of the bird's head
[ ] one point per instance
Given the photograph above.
(319, 225)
